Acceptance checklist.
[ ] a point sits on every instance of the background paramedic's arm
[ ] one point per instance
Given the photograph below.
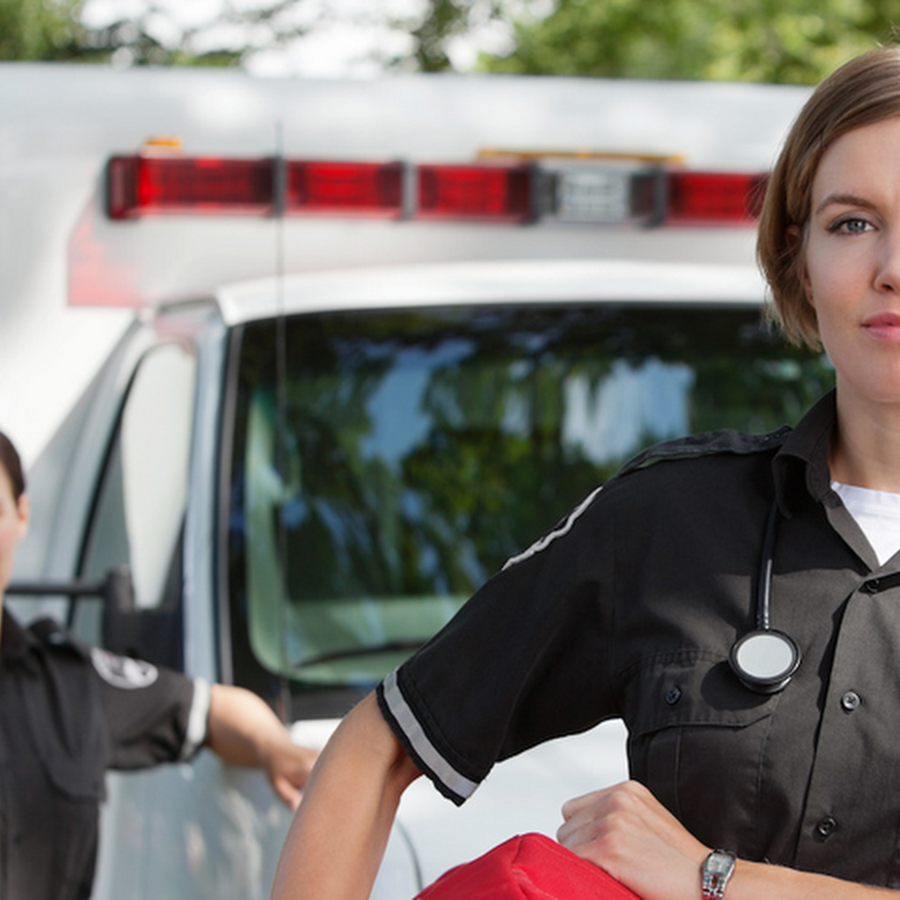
(243, 731)
(337, 839)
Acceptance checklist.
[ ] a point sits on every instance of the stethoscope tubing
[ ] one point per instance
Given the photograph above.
(764, 659)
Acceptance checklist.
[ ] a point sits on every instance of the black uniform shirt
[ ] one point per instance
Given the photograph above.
(66, 715)
(629, 609)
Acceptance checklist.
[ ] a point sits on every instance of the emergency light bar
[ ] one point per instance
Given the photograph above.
(590, 192)
(350, 188)
(498, 193)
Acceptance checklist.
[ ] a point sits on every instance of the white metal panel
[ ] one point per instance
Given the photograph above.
(528, 281)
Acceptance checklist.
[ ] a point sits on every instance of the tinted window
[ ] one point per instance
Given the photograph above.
(405, 456)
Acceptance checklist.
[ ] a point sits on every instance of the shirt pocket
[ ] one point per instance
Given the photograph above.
(697, 739)
(66, 724)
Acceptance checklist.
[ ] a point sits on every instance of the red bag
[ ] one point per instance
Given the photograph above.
(527, 867)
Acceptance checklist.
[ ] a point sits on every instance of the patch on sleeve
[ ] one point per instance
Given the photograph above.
(122, 671)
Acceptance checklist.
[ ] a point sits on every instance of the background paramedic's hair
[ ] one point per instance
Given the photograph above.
(863, 91)
(9, 459)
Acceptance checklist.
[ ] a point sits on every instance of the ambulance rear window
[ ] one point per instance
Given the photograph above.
(404, 456)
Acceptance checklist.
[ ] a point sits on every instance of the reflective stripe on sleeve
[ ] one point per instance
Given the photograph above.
(198, 718)
(442, 770)
(551, 536)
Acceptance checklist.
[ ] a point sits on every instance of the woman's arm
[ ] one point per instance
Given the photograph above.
(627, 832)
(243, 731)
(337, 839)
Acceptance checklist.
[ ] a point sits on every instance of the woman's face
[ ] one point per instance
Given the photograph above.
(13, 525)
(852, 261)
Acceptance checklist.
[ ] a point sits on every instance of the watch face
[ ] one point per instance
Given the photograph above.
(718, 864)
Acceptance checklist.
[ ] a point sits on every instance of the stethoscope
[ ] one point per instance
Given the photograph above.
(765, 659)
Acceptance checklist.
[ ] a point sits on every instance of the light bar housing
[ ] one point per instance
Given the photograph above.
(595, 192)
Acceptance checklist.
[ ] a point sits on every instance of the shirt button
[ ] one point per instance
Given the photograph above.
(850, 701)
(826, 827)
(673, 695)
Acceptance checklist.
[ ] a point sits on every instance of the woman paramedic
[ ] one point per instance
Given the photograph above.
(659, 599)
(68, 713)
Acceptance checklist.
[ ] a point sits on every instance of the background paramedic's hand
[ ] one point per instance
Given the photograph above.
(626, 831)
(244, 731)
(287, 766)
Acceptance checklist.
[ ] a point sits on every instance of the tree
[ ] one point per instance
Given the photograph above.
(787, 41)
(61, 30)
(439, 22)
(236, 31)
(39, 29)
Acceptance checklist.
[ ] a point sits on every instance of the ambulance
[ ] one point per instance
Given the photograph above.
(371, 339)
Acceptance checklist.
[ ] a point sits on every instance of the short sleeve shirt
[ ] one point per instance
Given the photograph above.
(69, 713)
(629, 608)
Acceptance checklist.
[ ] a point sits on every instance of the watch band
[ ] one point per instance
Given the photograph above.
(717, 868)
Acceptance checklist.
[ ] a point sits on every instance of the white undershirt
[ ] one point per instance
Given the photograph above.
(878, 515)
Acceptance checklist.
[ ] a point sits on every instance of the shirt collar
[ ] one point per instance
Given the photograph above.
(800, 467)
(16, 644)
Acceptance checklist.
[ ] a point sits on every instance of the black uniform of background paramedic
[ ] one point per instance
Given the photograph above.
(68, 713)
(632, 605)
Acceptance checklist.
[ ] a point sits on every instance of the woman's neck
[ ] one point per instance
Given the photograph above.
(865, 448)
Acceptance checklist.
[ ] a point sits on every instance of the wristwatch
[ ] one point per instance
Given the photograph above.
(716, 870)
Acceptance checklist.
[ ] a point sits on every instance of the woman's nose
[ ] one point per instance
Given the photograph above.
(888, 276)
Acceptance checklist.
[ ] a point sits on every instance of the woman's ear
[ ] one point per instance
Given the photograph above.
(24, 513)
(795, 239)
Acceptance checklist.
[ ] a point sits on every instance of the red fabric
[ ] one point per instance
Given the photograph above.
(527, 867)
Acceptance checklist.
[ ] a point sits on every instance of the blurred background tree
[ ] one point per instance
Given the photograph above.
(788, 41)
(147, 33)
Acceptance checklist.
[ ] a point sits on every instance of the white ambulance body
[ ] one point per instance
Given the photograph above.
(382, 335)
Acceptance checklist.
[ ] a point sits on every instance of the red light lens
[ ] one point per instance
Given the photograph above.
(364, 188)
(495, 193)
(714, 198)
(138, 185)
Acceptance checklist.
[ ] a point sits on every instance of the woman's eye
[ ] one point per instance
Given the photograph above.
(850, 225)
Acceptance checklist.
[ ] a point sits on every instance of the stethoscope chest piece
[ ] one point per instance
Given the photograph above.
(764, 660)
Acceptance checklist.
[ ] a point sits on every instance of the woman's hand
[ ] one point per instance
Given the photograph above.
(287, 766)
(627, 832)
(243, 731)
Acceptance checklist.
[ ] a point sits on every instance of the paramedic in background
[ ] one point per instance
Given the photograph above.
(68, 713)
(784, 777)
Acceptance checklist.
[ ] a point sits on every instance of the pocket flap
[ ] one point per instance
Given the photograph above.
(690, 687)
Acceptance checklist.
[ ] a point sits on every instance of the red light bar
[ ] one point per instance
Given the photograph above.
(586, 193)
(714, 198)
(497, 193)
(344, 187)
(141, 185)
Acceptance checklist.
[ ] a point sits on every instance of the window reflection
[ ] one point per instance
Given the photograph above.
(139, 513)
(416, 451)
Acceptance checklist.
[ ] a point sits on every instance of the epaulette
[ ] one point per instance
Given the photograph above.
(710, 443)
(51, 634)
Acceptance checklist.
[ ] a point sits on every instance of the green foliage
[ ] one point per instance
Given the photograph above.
(40, 29)
(55, 31)
(786, 41)
(439, 22)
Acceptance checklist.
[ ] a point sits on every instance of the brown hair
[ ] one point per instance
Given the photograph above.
(863, 91)
(10, 461)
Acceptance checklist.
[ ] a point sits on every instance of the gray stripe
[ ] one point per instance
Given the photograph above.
(440, 768)
(198, 720)
(547, 539)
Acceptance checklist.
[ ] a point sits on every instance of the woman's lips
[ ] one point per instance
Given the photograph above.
(883, 326)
